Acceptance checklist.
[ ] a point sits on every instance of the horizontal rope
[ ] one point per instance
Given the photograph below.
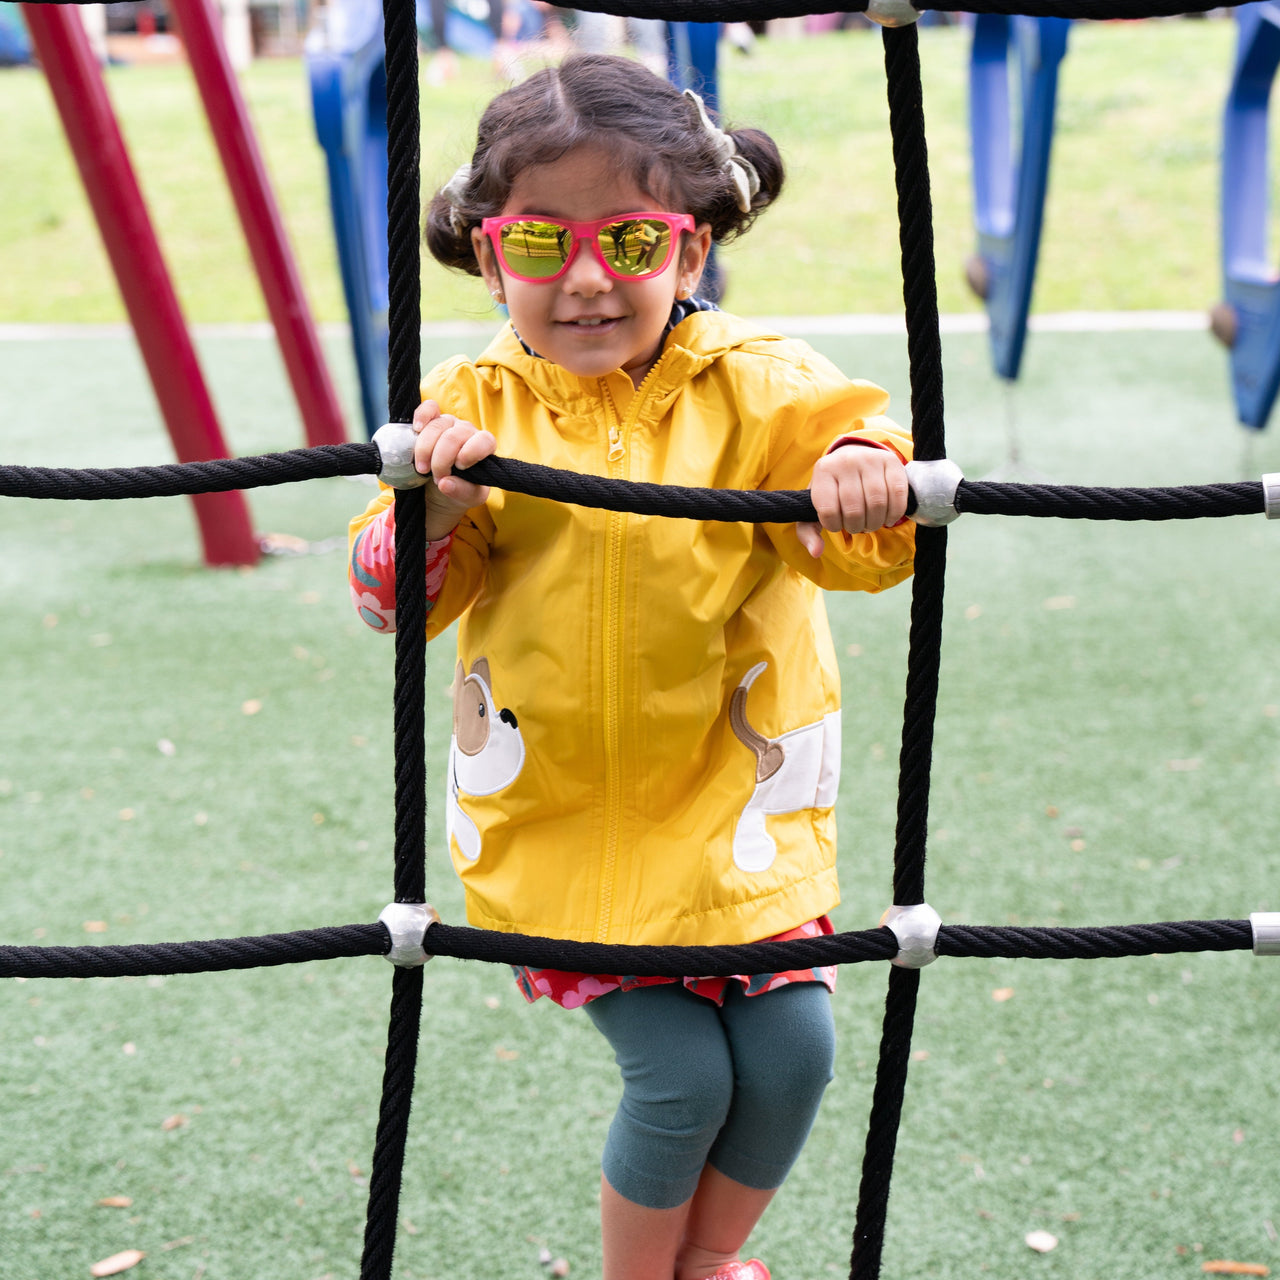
(213, 955)
(1075, 502)
(464, 943)
(1095, 943)
(785, 506)
(174, 478)
(763, 10)
(788, 505)
(659, 962)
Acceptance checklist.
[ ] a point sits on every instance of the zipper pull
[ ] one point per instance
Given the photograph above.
(616, 447)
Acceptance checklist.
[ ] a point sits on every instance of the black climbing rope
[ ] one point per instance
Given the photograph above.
(403, 361)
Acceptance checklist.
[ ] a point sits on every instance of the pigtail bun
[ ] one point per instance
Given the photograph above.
(446, 231)
(761, 152)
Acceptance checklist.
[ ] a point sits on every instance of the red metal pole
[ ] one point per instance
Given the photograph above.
(260, 217)
(91, 128)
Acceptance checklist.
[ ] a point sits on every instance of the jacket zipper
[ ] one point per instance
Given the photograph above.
(615, 530)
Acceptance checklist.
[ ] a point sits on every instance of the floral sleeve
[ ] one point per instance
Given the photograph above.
(372, 570)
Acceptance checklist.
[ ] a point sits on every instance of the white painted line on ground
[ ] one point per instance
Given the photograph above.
(964, 322)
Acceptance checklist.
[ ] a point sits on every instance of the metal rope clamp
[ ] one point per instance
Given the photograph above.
(1271, 495)
(891, 13)
(395, 441)
(407, 923)
(934, 484)
(916, 929)
(1266, 932)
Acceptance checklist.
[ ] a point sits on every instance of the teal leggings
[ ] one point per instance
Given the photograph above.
(736, 1086)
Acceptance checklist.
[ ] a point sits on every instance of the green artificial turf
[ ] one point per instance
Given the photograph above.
(192, 754)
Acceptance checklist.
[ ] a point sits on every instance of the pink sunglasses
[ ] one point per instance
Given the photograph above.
(630, 246)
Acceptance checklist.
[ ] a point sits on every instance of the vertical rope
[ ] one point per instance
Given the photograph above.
(915, 236)
(924, 351)
(886, 1111)
(404, 357)
(404, 261)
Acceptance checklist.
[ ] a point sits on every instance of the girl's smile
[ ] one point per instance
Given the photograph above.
(587, 320)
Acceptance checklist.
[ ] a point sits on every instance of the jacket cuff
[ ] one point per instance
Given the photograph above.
(866, 443)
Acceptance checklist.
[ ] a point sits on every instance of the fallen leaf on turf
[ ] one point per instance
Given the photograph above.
(1041, 1241)
(505, 1055)
(117, 1263)
(115, 1202)
(251, 706)
(1222, 1268)
(1184, 766)
(95, 926)
(560, 1268)
(1054, 603)
(173, 1122)
(1001, 994)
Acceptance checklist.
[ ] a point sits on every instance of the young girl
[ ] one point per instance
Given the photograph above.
(646, 711)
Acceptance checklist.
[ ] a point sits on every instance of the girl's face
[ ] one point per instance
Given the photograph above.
(588, 321)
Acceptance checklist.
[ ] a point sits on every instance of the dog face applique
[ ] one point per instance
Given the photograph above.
(486, 752)
(797, 770)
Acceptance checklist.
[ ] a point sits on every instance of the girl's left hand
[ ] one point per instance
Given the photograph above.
(855, 489)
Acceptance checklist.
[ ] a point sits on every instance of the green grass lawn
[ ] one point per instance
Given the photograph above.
(1131, 221)
(1107, 752)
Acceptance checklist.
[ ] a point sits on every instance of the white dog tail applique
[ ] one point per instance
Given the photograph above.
(486, 752)
(798, 770)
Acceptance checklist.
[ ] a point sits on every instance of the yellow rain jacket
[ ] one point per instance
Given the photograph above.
(646, 710)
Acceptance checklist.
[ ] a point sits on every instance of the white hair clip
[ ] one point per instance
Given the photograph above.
(453, 191)
(737, 168)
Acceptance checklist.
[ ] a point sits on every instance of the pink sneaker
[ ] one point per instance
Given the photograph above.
(753, 1270)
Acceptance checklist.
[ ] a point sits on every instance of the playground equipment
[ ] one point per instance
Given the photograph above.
(15, 48)
(347, 73)
(1247, 320)
(408, 931)
(691, 64)
(691, 59)
(80, 95)
(1010, 179)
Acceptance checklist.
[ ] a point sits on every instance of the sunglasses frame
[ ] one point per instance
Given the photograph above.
(587, 232)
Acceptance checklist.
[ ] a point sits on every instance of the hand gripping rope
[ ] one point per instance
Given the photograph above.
(911, 935)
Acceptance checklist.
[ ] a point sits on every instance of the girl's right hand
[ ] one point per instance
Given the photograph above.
(445, 442)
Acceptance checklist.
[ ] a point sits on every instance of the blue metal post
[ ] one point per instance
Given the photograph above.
(349, 99)
(1011, 168)
(1248, 320)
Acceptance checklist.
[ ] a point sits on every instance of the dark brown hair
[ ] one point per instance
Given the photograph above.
(651, 127)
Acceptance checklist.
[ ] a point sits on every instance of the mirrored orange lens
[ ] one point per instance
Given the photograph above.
(635, 246)
(536, 249)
